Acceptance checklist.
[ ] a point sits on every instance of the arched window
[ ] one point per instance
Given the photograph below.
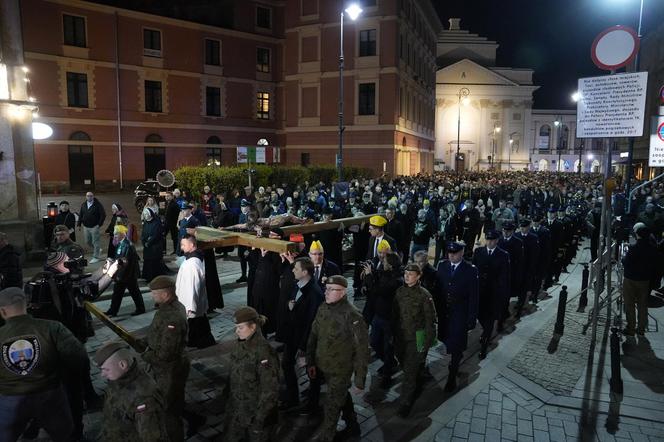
(262, 142)
(403, 142)
(544, 137)
(213, 140)
(543, 165)
(153, 138)
(80, 136)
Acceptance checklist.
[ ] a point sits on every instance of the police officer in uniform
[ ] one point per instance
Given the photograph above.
(493, 265)
(458, 301)
(414, 327)
(35, 353)
(134, 409)
(514, 247)
(544, 237)
(254, 381)
(556, 227)
(531, 251)
(338, 347)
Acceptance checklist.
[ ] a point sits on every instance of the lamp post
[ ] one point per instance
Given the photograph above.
(463, 97)
(353, 12)
(559, 124)
(496, 130)
(590, 164)
(576, 96)
(509, 156)
(630, 150)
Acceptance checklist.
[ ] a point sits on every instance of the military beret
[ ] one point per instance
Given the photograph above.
(244, 203)
(107, 350)
(337, 280)
(508, 225)
(377, 221)
(413, 268)
(60, 228)
(525, 222)
(492, 234)
(10, 296)
(455, 246)
(64, 202)
(245, 314)
(162, 282)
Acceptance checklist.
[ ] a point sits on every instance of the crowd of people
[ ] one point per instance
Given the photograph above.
(495, 237)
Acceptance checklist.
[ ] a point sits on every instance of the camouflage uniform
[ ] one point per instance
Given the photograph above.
(413, 310)
(134, 410)
(338, 346)
(68, 247)
(168, 365)
(254, 390)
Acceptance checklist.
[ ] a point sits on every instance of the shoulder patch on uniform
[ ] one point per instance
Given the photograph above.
(21, 355)
(141, 408)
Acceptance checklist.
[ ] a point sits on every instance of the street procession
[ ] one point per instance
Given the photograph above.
(325, 221)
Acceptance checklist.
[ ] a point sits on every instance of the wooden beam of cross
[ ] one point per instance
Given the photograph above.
(326, 225)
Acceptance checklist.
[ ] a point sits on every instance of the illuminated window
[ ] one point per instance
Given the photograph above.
(263, 105)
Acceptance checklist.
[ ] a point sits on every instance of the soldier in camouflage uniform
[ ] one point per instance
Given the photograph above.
(166, 342)
(338, 346)
(254, 381)
(134, 409)
(414, 332)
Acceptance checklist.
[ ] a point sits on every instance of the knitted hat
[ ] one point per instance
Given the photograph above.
(55, 258)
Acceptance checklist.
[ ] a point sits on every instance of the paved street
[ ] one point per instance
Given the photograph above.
(524, 390)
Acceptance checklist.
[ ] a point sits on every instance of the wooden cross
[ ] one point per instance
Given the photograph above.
(209, 237)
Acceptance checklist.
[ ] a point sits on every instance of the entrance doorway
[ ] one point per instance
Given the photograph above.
(81, 163)
(155, 160)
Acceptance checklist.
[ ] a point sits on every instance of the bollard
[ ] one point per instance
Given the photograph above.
(583, 300)
(615, 382)
(560, 319)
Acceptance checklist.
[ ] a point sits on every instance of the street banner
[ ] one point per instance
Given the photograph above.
(656, 155)
(611, 106)
(241, 155)
(260, 155)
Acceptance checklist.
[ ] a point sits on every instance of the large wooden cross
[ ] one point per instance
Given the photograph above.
(209, 237)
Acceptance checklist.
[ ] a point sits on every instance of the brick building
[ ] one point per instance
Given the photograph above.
(129, 92)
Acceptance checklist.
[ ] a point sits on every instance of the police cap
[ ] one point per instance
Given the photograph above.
(455, 246)
(492, 234)
(508, 225)
(525, 222)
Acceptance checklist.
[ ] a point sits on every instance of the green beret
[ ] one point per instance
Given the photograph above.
(338, 280)
(11, 296)
(60, 228)
(162, 282)
(107, 350)
(413, 268)
(245, 314)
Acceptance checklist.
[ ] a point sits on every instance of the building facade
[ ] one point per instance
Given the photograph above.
(129, 93)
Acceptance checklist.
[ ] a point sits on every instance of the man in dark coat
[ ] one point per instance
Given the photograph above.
(531, 251)
(471, 224)
(514, 248)
(544, 238)
(92, 216)
(323, 267)
(172, 215)
(456, 305)
(395, 229)
(66, 218)
(303, 304)
(557, 247)
(377, 230)
(188, 221)
(493, 265)
(127, 276)
(331, 240)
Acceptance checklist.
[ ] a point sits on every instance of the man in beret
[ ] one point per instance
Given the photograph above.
(36, 353)
(493, 266)
(377, 231)
(166, 341)
(338, 346)
(134, 409)
(62, 242)
(457, 305)
(127, 276)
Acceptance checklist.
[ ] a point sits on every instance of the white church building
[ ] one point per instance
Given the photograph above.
(484, 115)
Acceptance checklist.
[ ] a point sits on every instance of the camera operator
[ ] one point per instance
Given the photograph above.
(58, 294)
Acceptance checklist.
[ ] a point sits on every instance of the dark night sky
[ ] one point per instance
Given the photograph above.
(553, 37)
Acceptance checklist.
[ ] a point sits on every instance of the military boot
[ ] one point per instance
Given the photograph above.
(352, 430)
(451, 384)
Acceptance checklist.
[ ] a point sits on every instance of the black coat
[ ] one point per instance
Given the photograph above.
(172, 214)
(641, 261)
(372, 245)
(494, 282)
(456, 304)
(531, 251)
(514, 248)
(10, 267)
(381, 289)
(264, 288)
(544, 238)
(129, 271)
(298, 321)
(396, 230)
(94, 216)
(152, 238)
(328, 268)
(332, 241)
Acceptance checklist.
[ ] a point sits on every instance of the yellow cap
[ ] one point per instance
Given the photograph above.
(384, 246)
(316, 245)
(426, 201)
(120, 229)
(377, 221)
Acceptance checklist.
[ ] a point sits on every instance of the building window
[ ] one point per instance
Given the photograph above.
(213, 154)
(263, 17)
(495, 115)
(367, 99)
(263, 105)
(368, 43)
(305, 159)
(516, 117)
(213, 101)
(152, 96)
(262, 60)
(77, 89)
(74, 30)
(151, 42)
(212, 52)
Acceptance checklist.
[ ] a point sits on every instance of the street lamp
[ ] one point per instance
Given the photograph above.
(509, 156)
(463, 98)
(590, 159)
(559, 124)
(496, 130)
(353, 12)
(576, 96)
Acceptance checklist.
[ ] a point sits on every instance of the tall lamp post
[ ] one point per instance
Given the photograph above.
(559, 124)
(496, 130)
(509, 157)
(630, 149)
(463, 98)
(576, 96)
(353, 12)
